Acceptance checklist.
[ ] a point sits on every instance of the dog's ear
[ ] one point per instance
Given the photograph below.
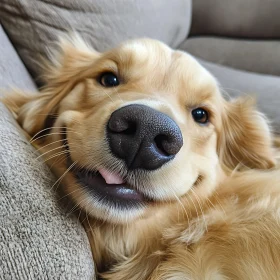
(245, 137)
(61, 72)
(69, 56)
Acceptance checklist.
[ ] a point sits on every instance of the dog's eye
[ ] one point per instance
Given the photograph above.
(200, 115)
(109, 80)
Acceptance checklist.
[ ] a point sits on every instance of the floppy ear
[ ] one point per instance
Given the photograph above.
(61, 72)
(245, 138)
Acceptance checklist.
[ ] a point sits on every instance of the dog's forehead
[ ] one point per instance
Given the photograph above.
(166, 68)
(145, 47)
(143, 54)
(157, 53)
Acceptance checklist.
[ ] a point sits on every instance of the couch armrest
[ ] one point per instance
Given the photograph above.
(38, 240)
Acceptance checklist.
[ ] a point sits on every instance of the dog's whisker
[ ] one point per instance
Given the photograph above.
(200, 206)
(68, 194)
(86, 218)
(80, 212)
(56, 155)
(48, 128)
(51, 150)
(189, 197)
(90, 213)
(77, 205)
(41, 114)
(74, 208)
(49, 144)
(52, 143)
(58, 160)
(208, 201)
(48, 134)
(216, 195)
(182, 205)
(232, 89)
(63, 175)
(104, 91)
(91, 229)
(213, 206)
(117, 92)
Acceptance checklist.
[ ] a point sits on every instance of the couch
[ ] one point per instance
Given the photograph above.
(237, 41)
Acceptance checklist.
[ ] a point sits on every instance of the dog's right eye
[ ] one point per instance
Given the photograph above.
(109, 80)
(200, 115)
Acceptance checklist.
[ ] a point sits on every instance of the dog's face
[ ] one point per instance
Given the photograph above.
(139, 126)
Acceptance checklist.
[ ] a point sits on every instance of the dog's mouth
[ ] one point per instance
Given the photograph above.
(106, 185)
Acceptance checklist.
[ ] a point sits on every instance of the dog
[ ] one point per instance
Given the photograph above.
(175, 181)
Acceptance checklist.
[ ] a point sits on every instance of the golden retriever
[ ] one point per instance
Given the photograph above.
(176, 182)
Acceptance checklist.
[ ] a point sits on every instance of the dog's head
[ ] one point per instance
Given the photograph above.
(138, 126)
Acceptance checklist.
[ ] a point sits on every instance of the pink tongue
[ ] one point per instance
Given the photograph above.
(110, 177)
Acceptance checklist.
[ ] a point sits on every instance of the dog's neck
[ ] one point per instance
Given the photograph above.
(145, 238)
(113, 244)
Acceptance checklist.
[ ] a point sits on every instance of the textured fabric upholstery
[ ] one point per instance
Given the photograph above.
(38, 240)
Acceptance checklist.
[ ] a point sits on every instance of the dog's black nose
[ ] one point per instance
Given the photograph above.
(143, 137)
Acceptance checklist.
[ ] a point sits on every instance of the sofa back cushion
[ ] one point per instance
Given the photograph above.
(13, 72)
(33, 24)
(237, 18)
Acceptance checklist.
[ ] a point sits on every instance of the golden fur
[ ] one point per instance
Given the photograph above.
(216, 207)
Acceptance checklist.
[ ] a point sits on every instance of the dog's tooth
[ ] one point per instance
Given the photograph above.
(111, 177)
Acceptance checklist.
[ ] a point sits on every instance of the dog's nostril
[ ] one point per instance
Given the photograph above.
(118, 125)
(168, 145)
(131, 130)
(122, 126)
(160, 141)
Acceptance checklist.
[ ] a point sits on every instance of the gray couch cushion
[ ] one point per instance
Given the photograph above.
(38, 240)
(265, 88)
(236, 18)
(33, 24)
(251, 55)
(12, 71)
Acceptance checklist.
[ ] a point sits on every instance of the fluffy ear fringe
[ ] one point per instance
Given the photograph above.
(69, 54)
(246, 139)
(67, 60)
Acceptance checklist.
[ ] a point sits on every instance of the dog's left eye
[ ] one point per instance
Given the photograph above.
(200, 115)
(109, 80)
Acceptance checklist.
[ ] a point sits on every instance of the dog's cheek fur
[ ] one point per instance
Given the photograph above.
(245, 138)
